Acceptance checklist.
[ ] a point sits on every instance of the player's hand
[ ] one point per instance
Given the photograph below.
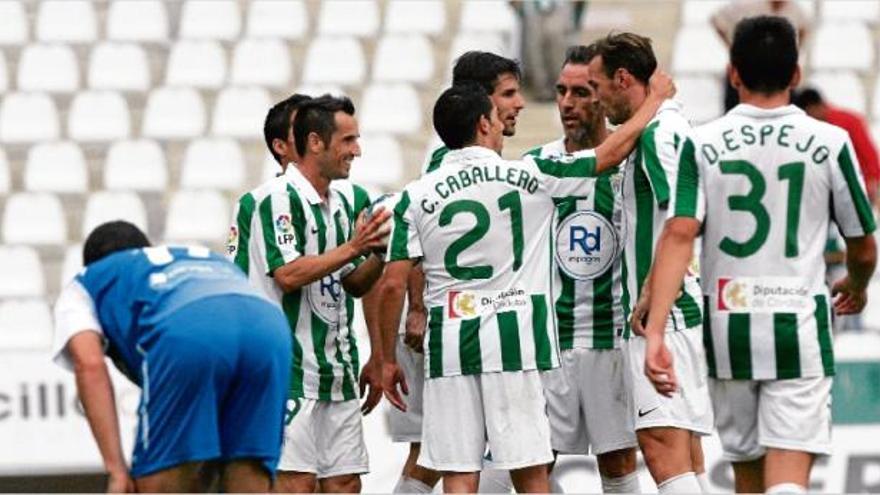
(371, 375)
(119, 481)
(847, 299)
(659, 366)
(416, 323)
(392, 376)
(371, 234)
(661, 85)
(639, 317)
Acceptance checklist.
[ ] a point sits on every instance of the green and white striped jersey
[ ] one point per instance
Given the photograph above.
(435, 159)
(776, 178)
(651, 178)
(482, 227)
(276, 223)
(588, 309)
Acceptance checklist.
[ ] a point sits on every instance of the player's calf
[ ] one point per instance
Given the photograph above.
(532, 479)
(295, 482)
(667, 452)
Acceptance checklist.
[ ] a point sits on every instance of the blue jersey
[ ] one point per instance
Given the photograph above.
(134, 290)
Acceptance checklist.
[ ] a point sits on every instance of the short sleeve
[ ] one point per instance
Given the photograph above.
(659, 149)
(283, 224)
(405, 243)
(688, 198)
(569, 176)
(74, 313)
(362, 199)
(852, 209)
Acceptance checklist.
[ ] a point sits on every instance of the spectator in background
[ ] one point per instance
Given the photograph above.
(726, 18)
(811, 101)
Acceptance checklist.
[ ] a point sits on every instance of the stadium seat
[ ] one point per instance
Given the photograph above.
(72, 264)
(851, 10)
(98, 116)
(4, 75)
(213, 163)
(287, 19)
(349, 64)
(349, 18)
(142, 21)
(54, 21)
(403, 58)
(28, 117)
(119, 67)
(390, 108)
(711, 58)
(22, 272)
(381, 163)
(15, 23)
(701, 96)
(263, 62)
(834, 47)
(488, 15)
(56, 167)
(841, 88)
(240, 112)
(406, 17)
(197, 216)
(210, 19)
(106, 206)
(463, 42)
(45, 67)
(699, 12)
(5, 177)
(34, 218)
(174, 113)
(136, 165)
(200, 64)
(321, 89)
(25, 325)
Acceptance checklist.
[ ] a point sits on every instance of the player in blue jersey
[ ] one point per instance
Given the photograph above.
(211, 356)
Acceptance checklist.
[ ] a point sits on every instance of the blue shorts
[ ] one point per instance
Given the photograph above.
(215, 378)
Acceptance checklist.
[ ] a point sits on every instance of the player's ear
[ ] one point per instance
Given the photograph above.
(795, 77)
(733, 76)
(279, 146)
(314, 143)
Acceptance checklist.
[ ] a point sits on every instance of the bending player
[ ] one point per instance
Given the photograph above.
(777, 178)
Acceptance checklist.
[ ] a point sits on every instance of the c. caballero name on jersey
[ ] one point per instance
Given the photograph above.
(448, 185)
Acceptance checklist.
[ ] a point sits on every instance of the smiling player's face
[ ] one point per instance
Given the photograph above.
(343, 148)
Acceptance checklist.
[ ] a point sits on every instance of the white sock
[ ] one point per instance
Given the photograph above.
(683, 483)
(555, 487)
(495, 481)
(786, 488)
(628, 483)
(703, 480)
(411, 485)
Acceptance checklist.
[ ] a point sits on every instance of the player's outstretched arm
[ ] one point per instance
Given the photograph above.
(392, 291)
(621, 142)
(674, 252)
(96, 393)
(371, 373)
(852, 291)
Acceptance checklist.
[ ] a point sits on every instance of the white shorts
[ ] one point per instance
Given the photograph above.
(406, 427)
(791, 414)
(689, 407)
(324, 437)
(505, 410)
(588, 403)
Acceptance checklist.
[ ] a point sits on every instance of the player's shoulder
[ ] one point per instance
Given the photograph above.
(435, 159)
(551, 149)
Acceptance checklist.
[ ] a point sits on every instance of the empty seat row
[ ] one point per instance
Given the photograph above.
(25, 324)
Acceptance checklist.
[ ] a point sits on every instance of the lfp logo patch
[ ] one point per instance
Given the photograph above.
(586, 245)
(232, 240)
(284, 229)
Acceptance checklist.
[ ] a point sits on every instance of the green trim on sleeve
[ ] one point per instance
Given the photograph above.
(274, 258)
(652, 165)
(246, 206)
(687, 182)
(436, 159)
(573, 166)
(859, 198)
(400, 235)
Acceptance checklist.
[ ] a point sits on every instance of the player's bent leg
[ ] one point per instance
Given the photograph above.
(295, 482)
(182, 478)
(667, 452)
(246, 476)
(787, 467)
(460, 482)
(748, 476)
(344, 483)
(532, 479)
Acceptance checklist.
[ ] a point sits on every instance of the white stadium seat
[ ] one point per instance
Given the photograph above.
(119, 67)
(490, 42)
(56, 167)
(403, 58)
(72, 264)
(338, 60)
(701, 96)
(5, 177)
(213, 163)
(843, 46)
(136, 165)
(348, 18)
(22, 272)
(71, 21)
(15, 23)
(200, 64)
(320, 89)
(425, 17)
(99, 116)
(25, 325)
(143, 21)
(210, 19)
(28, 117)
(851, 10)
(4, 74)
(286, 19)
(197, 216)
(34, 218)
(699, 12)
(261, 62)
(381, 162)
(710, 58)
(107, 206)
(391, 108)
(841, 88)
(174, 113)
(240, 112)
(488, 15)
(48, 67)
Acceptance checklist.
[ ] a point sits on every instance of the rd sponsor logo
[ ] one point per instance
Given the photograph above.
(586, 245)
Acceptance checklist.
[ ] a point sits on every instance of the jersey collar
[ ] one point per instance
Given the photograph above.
(764, 113)
(469, 153)
(300, 182)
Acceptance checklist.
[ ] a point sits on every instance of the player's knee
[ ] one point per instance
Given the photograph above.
(617, 464)
(346, 483)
